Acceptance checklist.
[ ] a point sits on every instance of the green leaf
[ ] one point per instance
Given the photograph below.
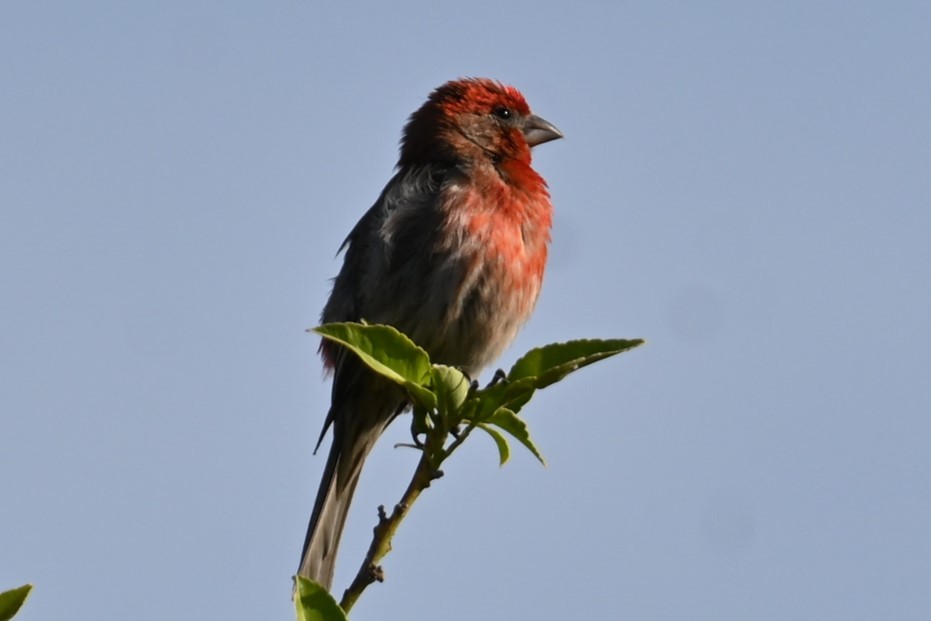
(514, 425)
(451, 387)
(12, 600)
(314, 603)
(420, 421)
(504, 451)
(508, 394)
(387, 352)
(518, 393)
(421, 396)
(551, 363)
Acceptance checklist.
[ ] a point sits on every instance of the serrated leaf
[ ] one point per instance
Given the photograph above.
(11, 601)
(504, 449)
(510, 422)
(551, 363)
(387, 352)
(314, 603)
(381, 347)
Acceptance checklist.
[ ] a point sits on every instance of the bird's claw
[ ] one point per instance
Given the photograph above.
(415, 439)
(499, 376)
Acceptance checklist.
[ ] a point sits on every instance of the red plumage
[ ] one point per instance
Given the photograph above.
(452, 254)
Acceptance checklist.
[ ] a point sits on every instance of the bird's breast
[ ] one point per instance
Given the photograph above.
(496, 248)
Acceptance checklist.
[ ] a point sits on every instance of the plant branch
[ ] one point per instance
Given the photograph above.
(370, 571)
(458, 440)
(448, 407)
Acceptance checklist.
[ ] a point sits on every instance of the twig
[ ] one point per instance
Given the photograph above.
(370, 571)
(434, 452)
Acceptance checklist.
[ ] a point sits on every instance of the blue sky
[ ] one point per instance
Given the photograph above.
(746, 185)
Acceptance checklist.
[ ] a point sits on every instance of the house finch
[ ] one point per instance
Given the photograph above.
(452, 254)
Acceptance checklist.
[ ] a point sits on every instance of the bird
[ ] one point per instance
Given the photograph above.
(452, 254)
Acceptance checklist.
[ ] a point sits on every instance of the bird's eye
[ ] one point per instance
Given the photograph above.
(502, 113)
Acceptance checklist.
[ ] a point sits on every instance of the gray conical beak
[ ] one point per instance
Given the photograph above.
(537, 130)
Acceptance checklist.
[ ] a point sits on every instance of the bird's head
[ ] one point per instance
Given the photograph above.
(474, 119)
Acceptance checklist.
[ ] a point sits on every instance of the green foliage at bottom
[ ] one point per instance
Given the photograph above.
(12, 600)
(446, 407)
(314, 603)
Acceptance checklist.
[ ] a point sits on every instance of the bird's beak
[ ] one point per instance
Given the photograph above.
(537, 131)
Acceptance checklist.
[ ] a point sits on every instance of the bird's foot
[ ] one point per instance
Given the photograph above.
(499, 376)
(416, 443)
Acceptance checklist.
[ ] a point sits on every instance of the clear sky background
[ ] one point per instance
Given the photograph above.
(746, 185)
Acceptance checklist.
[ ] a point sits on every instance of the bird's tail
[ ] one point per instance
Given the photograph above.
(340, 476)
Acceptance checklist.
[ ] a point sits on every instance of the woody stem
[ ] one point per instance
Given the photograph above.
(426, 472)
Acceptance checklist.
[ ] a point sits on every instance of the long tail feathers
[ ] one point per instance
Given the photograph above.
(363, 405)
(331, 508)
